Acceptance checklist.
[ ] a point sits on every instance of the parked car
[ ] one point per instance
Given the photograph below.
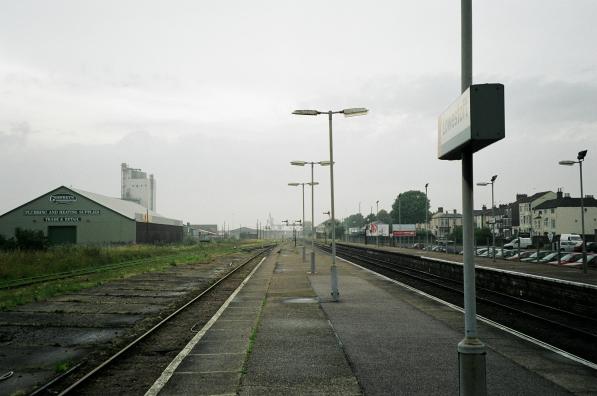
(506, 253)
(419, 246)
(480, 251)
(523, 254)
(551, 257)
(533, 257)
(524, 243)
(591, 247)
(591, 260)
(567, 258)
(570, 242)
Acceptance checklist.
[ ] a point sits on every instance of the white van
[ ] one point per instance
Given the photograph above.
(570, 241)
(524, 243)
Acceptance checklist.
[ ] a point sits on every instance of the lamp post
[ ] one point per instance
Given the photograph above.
(326, 226)
(312, 184)
(399, 221)
(347, 113)
(303, 187)
(492, 182)
(581, 157)
(426, 218)
(377, 219)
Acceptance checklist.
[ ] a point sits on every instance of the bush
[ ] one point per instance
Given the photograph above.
(30, 240)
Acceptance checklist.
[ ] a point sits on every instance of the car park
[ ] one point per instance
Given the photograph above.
(570, 242)
(553, 256)
(523, 254)
(567, 258)
(591, 260)
(592, 247)
(536, 255)
(524, 243)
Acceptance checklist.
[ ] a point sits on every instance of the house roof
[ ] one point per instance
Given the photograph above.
(567, 202)
(533, 197)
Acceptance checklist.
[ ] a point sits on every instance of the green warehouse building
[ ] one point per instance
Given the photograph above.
(70, 215)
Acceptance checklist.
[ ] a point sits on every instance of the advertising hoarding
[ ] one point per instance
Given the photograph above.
(404, 230)
(377, 229)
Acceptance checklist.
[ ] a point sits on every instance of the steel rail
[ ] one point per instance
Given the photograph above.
(115, 356)
(364, 257)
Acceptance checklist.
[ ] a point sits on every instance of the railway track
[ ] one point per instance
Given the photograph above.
(572, 332)
(122, 372)
(23, 282)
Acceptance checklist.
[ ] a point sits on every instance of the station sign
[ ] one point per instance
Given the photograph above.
(471, 122)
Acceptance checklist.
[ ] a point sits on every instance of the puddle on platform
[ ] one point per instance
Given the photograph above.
(301, 300)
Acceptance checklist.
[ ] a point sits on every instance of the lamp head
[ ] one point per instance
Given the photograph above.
(482, 184)
(294, 184)
(581, 155)
(355, 111)
(306, 112)
(324, 163)
(493, 178)
(567, 162)
(298, 163)
(313, 184)
(426, 185)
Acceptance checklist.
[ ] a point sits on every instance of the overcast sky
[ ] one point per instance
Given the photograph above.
(200, 93)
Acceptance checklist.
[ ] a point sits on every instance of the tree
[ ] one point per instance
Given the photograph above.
(482, 235)
(354, 220)
(456, 234)
(413, 206)
(370, 218)
(384, 217)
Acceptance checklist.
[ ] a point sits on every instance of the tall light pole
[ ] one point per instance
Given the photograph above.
(399, 220)
(377, 219)
(303, 224)
(426, 218)
(347, 113)
(312, 184)
(581, 157)
(492, 182)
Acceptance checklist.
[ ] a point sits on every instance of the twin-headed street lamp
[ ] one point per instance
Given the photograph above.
(303, 223)
(351, 112)
(312, 184)
(580, 158)
(426, 218)
(492, 213)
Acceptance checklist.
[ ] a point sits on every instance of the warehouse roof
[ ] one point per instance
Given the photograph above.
(129, 209)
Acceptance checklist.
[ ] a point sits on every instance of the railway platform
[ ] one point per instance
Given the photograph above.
(282, 334)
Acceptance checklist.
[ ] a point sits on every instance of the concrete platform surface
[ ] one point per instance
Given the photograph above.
(283, 335)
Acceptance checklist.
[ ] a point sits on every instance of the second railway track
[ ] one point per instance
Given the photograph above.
(131, 369)
(572, 332)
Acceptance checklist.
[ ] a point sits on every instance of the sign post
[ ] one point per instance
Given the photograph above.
(472, 122)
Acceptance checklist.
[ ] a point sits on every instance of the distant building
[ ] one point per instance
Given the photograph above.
(211, 228)
(562, 215)
(442, 223)
(526, 206)
(137, 187)
(501, 216)
(72, 216)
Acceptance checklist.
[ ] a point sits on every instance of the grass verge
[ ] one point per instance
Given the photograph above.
(183, 254)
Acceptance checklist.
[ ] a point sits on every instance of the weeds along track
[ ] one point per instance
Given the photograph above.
(23, 282)
(132, 368)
